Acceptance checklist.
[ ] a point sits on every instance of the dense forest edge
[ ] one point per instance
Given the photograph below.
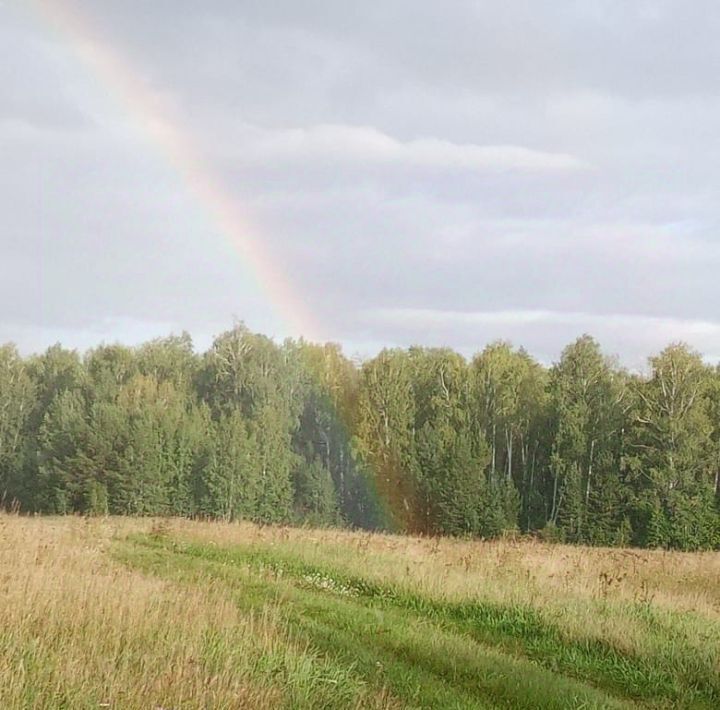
(418, 440)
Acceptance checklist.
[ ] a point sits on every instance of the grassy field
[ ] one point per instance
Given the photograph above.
(120, 613)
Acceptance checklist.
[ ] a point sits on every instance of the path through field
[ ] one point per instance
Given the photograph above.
(122, 613)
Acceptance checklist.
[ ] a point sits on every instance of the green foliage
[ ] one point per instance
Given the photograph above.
(673, 452)
(416, 440)
(588, 405)
(385, 419)
(17, 392)
(509, 412)
(229, 480)
(315, 495)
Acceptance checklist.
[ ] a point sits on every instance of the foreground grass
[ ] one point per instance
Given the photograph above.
(121, 613)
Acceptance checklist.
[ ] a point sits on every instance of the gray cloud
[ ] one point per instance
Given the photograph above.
(468, 328)
(419, 171)
(364, 145)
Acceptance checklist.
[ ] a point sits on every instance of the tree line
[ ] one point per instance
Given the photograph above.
(417, 440)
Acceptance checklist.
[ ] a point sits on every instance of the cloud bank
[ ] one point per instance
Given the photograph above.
(421, 172)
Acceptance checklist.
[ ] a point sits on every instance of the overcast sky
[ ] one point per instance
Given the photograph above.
(418, 171)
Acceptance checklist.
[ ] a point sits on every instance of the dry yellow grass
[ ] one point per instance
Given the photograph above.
(590, 592)
(78, 629)
(523, 569)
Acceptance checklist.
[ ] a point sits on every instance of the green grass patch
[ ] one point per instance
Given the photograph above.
(670, 670)
(433, 653)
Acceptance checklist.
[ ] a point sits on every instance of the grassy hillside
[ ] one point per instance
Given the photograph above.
(152, 614)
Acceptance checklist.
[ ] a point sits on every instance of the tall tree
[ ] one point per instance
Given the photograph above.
(509, 410)
(588, 420)
(674, 454)
(325, 436)
(229, 482)
(386, 417)
(450, 457)
(17, 394)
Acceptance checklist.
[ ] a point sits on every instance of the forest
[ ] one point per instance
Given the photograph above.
(418, 440)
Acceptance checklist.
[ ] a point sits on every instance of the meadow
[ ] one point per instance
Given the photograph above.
(155, 613)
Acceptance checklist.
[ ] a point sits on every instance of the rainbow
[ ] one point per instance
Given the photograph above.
(177, 147)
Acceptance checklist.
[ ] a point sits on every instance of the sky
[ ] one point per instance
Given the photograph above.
(396, 172)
